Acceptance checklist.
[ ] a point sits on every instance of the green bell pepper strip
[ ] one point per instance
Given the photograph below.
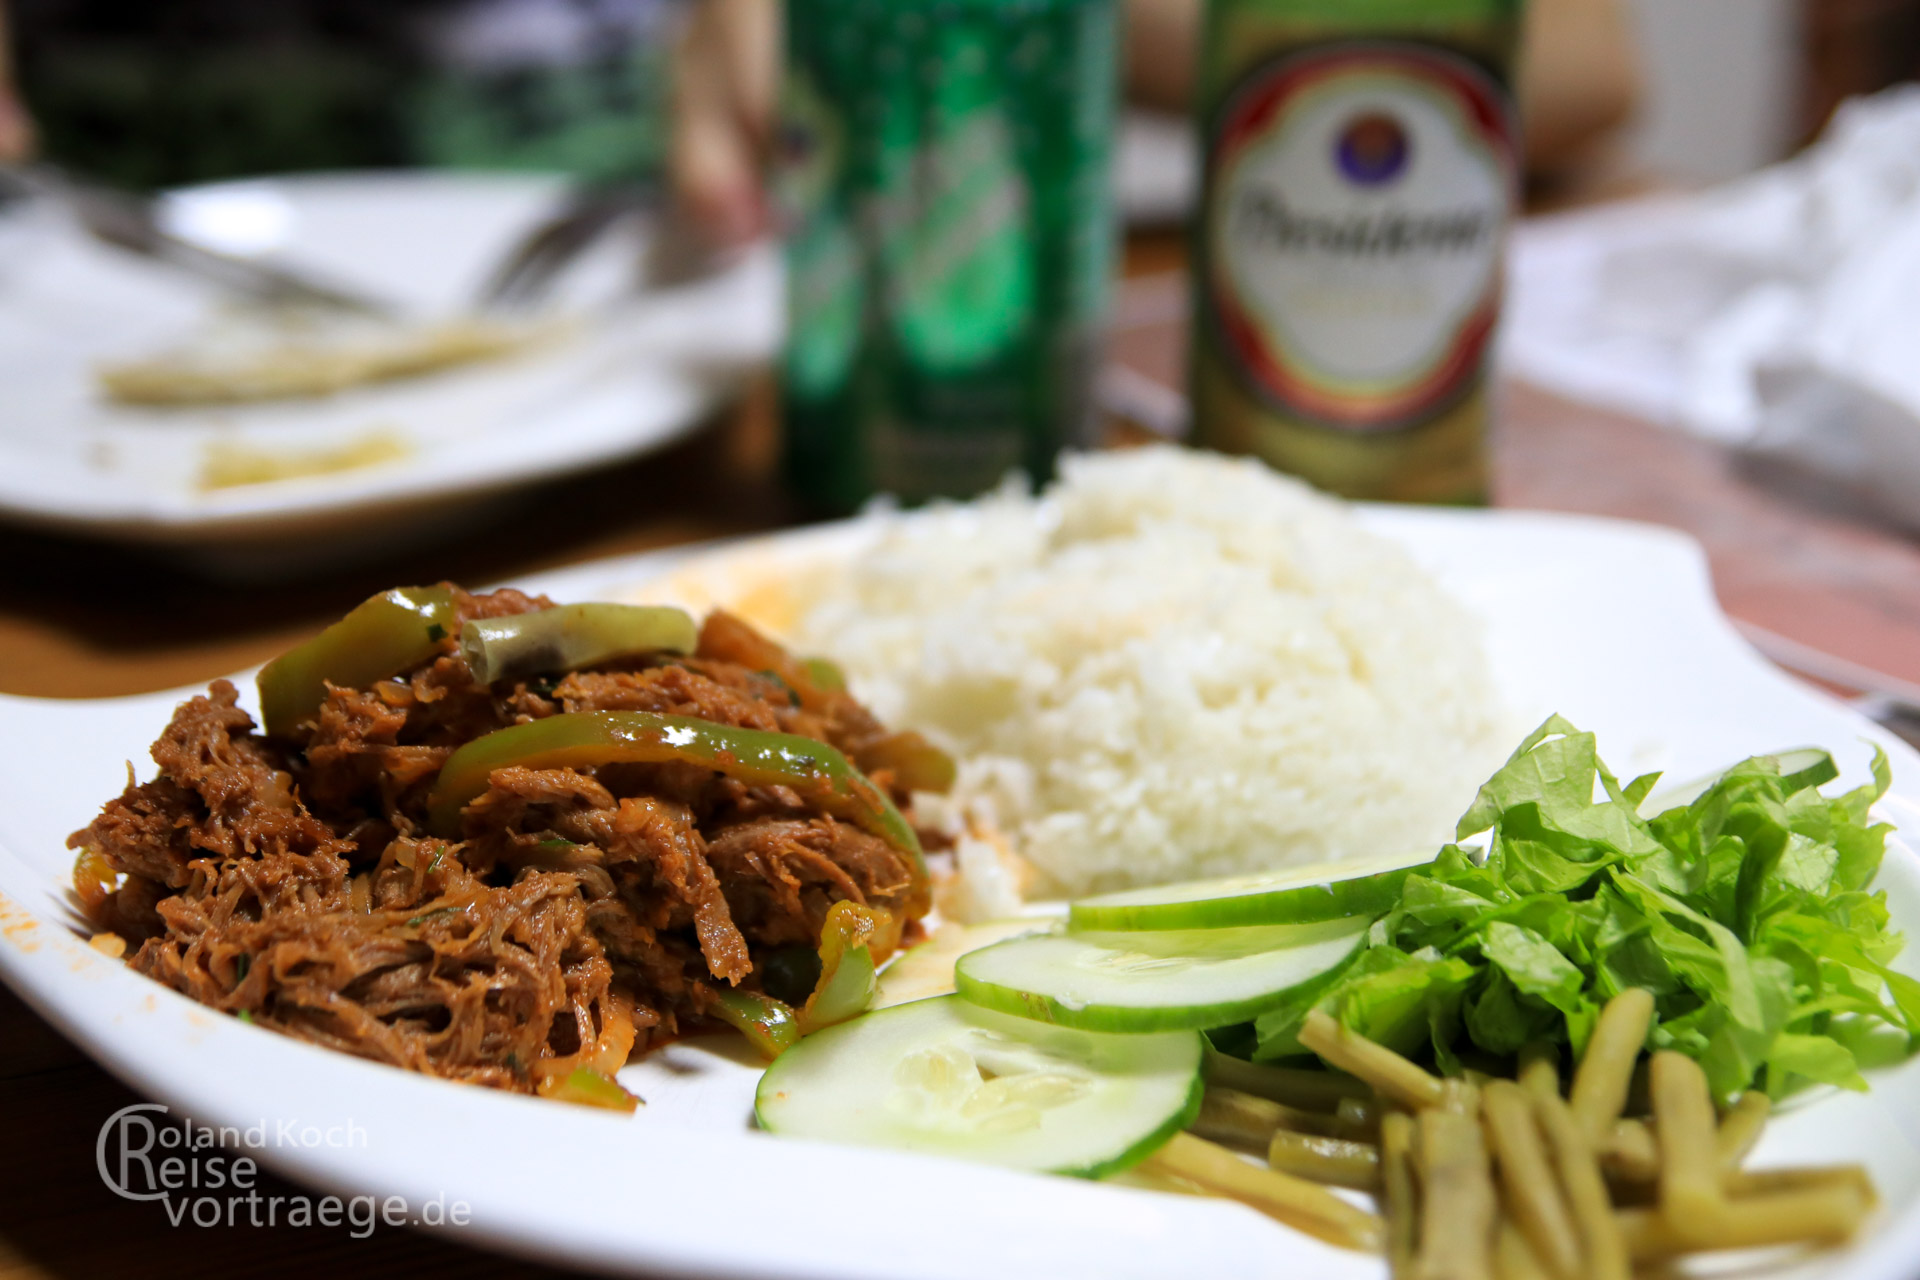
(825, 674)
(847, 972)
(768, 1024)
(589, 1088)
(384, 635)
(845, 988)
(917, 764)
(844, 991)
(754, 756)
(571, 636)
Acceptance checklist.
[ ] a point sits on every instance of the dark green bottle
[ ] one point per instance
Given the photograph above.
(950, 240)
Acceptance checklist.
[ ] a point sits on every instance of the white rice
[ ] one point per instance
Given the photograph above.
(1171, 665)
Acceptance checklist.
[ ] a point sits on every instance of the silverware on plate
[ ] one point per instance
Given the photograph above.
(677, 252)
(131, 222)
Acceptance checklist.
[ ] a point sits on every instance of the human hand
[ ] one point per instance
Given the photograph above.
(16, 127)
(16, 130)
(725, 82)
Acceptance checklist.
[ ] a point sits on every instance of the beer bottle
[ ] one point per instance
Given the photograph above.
(1360, 169)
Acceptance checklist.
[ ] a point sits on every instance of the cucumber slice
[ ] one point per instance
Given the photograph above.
(945, 1077)
(1297, 895)
(927, 970)
(1156, 980)
(1805, 767)
(1800, 768)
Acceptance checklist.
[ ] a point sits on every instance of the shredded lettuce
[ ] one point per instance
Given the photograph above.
(1746, 911)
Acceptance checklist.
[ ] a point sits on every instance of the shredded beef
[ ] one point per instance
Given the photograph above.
(781, 875)
(584, 912)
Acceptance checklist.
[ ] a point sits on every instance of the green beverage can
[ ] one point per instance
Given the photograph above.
(950, 240)
(1361, 168)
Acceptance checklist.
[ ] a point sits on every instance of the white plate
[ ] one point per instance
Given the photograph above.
(1612, 624)
(633, 379)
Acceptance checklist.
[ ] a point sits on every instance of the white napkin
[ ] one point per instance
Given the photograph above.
(1779, 314)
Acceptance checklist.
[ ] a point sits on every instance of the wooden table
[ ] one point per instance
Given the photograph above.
(82, 620)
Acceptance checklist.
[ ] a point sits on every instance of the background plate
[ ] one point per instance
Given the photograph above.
(1611, 624)
(631, 379)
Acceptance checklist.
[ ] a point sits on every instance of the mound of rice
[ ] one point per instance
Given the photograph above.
(1170, 665)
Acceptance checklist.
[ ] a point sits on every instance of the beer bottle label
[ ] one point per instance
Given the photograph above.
(1358, 198)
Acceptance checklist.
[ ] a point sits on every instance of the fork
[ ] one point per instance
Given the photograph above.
(678, 251)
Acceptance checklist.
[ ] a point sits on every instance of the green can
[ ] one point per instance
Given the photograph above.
(950, 240)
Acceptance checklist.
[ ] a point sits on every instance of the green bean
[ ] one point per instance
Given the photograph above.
(1458, 1205)
(1532, 1193)
(1629, 1153)
(1513, 1257)
(1604, 1250)
(1306, 1089)
(1394, 1076)
(1399, 1191)
(1338, 1162)
(1460, 1095)
(1539, 1067)
(1741, 1127)
(1758, 1182)
(1683, 1126)
(1823, 1215)
(1605, 1073)
(1240, 1119)
(1304, 1205)
(1243, 1120)
(1356, 1118)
